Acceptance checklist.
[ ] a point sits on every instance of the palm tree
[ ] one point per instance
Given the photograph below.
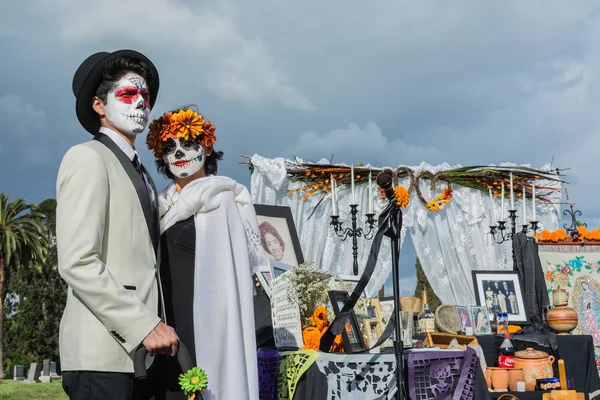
(23, 243)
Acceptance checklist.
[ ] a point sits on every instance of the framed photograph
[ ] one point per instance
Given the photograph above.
(278, 235)
(352, 336)
(501, 292)
(263, 278)
(464, 318)
(481, 320)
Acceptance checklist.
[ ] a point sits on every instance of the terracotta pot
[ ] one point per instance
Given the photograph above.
(562, 319)
(488, 377)
(515, 375)
(500, 379)
(536, 365)
(560, 297)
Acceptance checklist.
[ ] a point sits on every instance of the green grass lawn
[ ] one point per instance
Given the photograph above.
(15, 390)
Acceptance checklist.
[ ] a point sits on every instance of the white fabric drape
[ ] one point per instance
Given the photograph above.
(227, 252)
(450, 243)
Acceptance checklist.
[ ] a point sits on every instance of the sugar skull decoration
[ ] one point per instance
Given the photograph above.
(128, 104)
(181, 140)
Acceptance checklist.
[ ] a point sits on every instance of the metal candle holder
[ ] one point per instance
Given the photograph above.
(504, 237)
(354, 231)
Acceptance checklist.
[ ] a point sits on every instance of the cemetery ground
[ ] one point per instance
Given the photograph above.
(17, 390)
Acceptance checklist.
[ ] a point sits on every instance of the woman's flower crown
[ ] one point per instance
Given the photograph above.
(184, 124)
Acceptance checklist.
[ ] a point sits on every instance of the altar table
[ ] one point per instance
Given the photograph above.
(305, 379)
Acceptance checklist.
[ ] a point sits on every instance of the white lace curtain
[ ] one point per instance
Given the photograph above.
(450, 243)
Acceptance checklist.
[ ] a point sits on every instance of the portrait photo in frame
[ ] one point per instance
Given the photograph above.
(278, 235)
(264, 277)
(481, 320)
(501, 292)
(464, 318)
(352, 336)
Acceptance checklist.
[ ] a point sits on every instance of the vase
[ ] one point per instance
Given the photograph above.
(515, 375)
(500, 379)
(562, 319)
(535, 364)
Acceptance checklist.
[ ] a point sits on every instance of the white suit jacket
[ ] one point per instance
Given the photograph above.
(107, 235)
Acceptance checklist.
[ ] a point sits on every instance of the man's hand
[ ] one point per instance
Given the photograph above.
(162, 340)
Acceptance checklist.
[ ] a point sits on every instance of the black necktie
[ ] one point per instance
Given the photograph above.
(140, 169)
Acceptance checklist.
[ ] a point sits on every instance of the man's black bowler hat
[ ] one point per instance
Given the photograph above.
(89, 76)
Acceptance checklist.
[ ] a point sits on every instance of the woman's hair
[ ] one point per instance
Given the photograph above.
(211, 163)
(265, 228)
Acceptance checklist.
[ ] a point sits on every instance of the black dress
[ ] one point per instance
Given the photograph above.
(178, 245)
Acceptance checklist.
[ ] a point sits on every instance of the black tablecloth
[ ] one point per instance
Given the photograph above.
(576, 350)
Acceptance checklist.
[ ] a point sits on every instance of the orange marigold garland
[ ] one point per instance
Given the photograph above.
(559, 235)
(312, 334)
(184, 124)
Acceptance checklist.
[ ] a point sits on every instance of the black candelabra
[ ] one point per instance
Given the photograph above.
(499, 236)
(354, 231)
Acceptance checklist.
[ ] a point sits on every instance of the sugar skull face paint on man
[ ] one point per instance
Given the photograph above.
(183, 158)
(128, 104)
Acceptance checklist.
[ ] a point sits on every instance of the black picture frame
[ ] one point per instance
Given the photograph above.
(271, 215)
(352, 336)
(479, 276)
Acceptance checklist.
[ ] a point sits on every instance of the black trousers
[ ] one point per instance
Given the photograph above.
(94, 385)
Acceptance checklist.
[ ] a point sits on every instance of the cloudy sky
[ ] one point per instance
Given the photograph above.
(392, 82)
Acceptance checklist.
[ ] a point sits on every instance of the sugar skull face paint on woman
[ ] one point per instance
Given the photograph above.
(183, 158)
(128, 104)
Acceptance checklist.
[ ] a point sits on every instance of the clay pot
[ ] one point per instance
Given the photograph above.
(488, 377)
(500, 379)
(536, 365)
(515, 375)
(560, 297)
(562, 319)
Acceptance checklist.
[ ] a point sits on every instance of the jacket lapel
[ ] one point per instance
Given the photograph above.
(138, 184)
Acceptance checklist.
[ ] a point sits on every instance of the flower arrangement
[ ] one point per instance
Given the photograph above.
(578, 235)
(440, 201)
(311, 335)
(192, 382)
(185, 124)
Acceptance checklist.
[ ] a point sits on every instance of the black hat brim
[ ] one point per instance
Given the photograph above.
(89, 76)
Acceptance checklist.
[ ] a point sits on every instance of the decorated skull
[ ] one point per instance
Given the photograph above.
(183, 157)
(128, 104)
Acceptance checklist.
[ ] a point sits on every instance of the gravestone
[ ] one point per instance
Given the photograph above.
(46, 368)
(17, 372)
(53, 373)
(33, 376)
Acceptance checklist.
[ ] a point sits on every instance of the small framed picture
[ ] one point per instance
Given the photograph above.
(263, 278)
(481, 320)
(278, 268)
(278, 235)
(352, 335)
(501, 292)
(464, 318)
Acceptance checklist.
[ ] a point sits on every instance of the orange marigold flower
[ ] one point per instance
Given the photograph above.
(562, 234)
(582, 229)
(312, 338)
(402, 196)
(188, 124)
(554, 236)
(545, 236)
